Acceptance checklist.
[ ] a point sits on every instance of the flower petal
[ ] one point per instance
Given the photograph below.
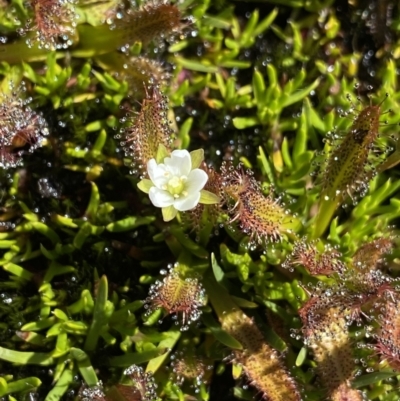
(152, 168)
(188, 202)
(160, 198)
(145, 185)
(169, 213)
(179, 163)
(208, 198)
(196, 180)
(158, 173)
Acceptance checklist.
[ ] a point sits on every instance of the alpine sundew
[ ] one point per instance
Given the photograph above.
(348, 170)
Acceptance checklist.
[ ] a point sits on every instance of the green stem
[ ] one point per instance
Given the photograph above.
(18, 52)
(324, 217)
(93, 41)
(96, 40)
(219, 297)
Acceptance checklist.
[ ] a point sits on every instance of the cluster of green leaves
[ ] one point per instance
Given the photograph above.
(80, 245)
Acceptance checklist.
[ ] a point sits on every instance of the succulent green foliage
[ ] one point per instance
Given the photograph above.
(295, 297)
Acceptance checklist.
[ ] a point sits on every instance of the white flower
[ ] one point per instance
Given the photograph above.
(177, 184)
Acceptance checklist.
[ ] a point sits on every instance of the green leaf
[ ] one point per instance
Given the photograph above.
(247, 37)
(100, 141)
(208, 198)
(85, 367)
(195, 65)
(222, 336)
(55, 269)
(301, 357)
(162, 153)
(168, 344)
(371, 378)
(93, 202)
(26, 358)
(266, 165)
(197, 157)
(22, 385)
(244, 303)
(245, 122)
(3, 387)
(130, 223)
(169, 213)
(61, 386)
(218, 272)
(272, 75)
(18, 271)
(300, 144)
(184, 133)
(192, 246)
(259, 88)
(299, 95)
(82, 235)
(46, 231)
(237, 371)
(101, 313)
(266, 22)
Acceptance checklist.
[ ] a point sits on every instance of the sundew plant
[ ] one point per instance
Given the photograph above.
(199, 200)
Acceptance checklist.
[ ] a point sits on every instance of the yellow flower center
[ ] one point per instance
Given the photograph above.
(176, 186)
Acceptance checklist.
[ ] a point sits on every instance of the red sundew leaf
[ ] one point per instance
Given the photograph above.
(306, 254)
(388, 336)
(348, 169)
(21, 129)
(54, 22)
(371, 255)
(259, 216)
(148, 130)
(177, 296)
(155, 19)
